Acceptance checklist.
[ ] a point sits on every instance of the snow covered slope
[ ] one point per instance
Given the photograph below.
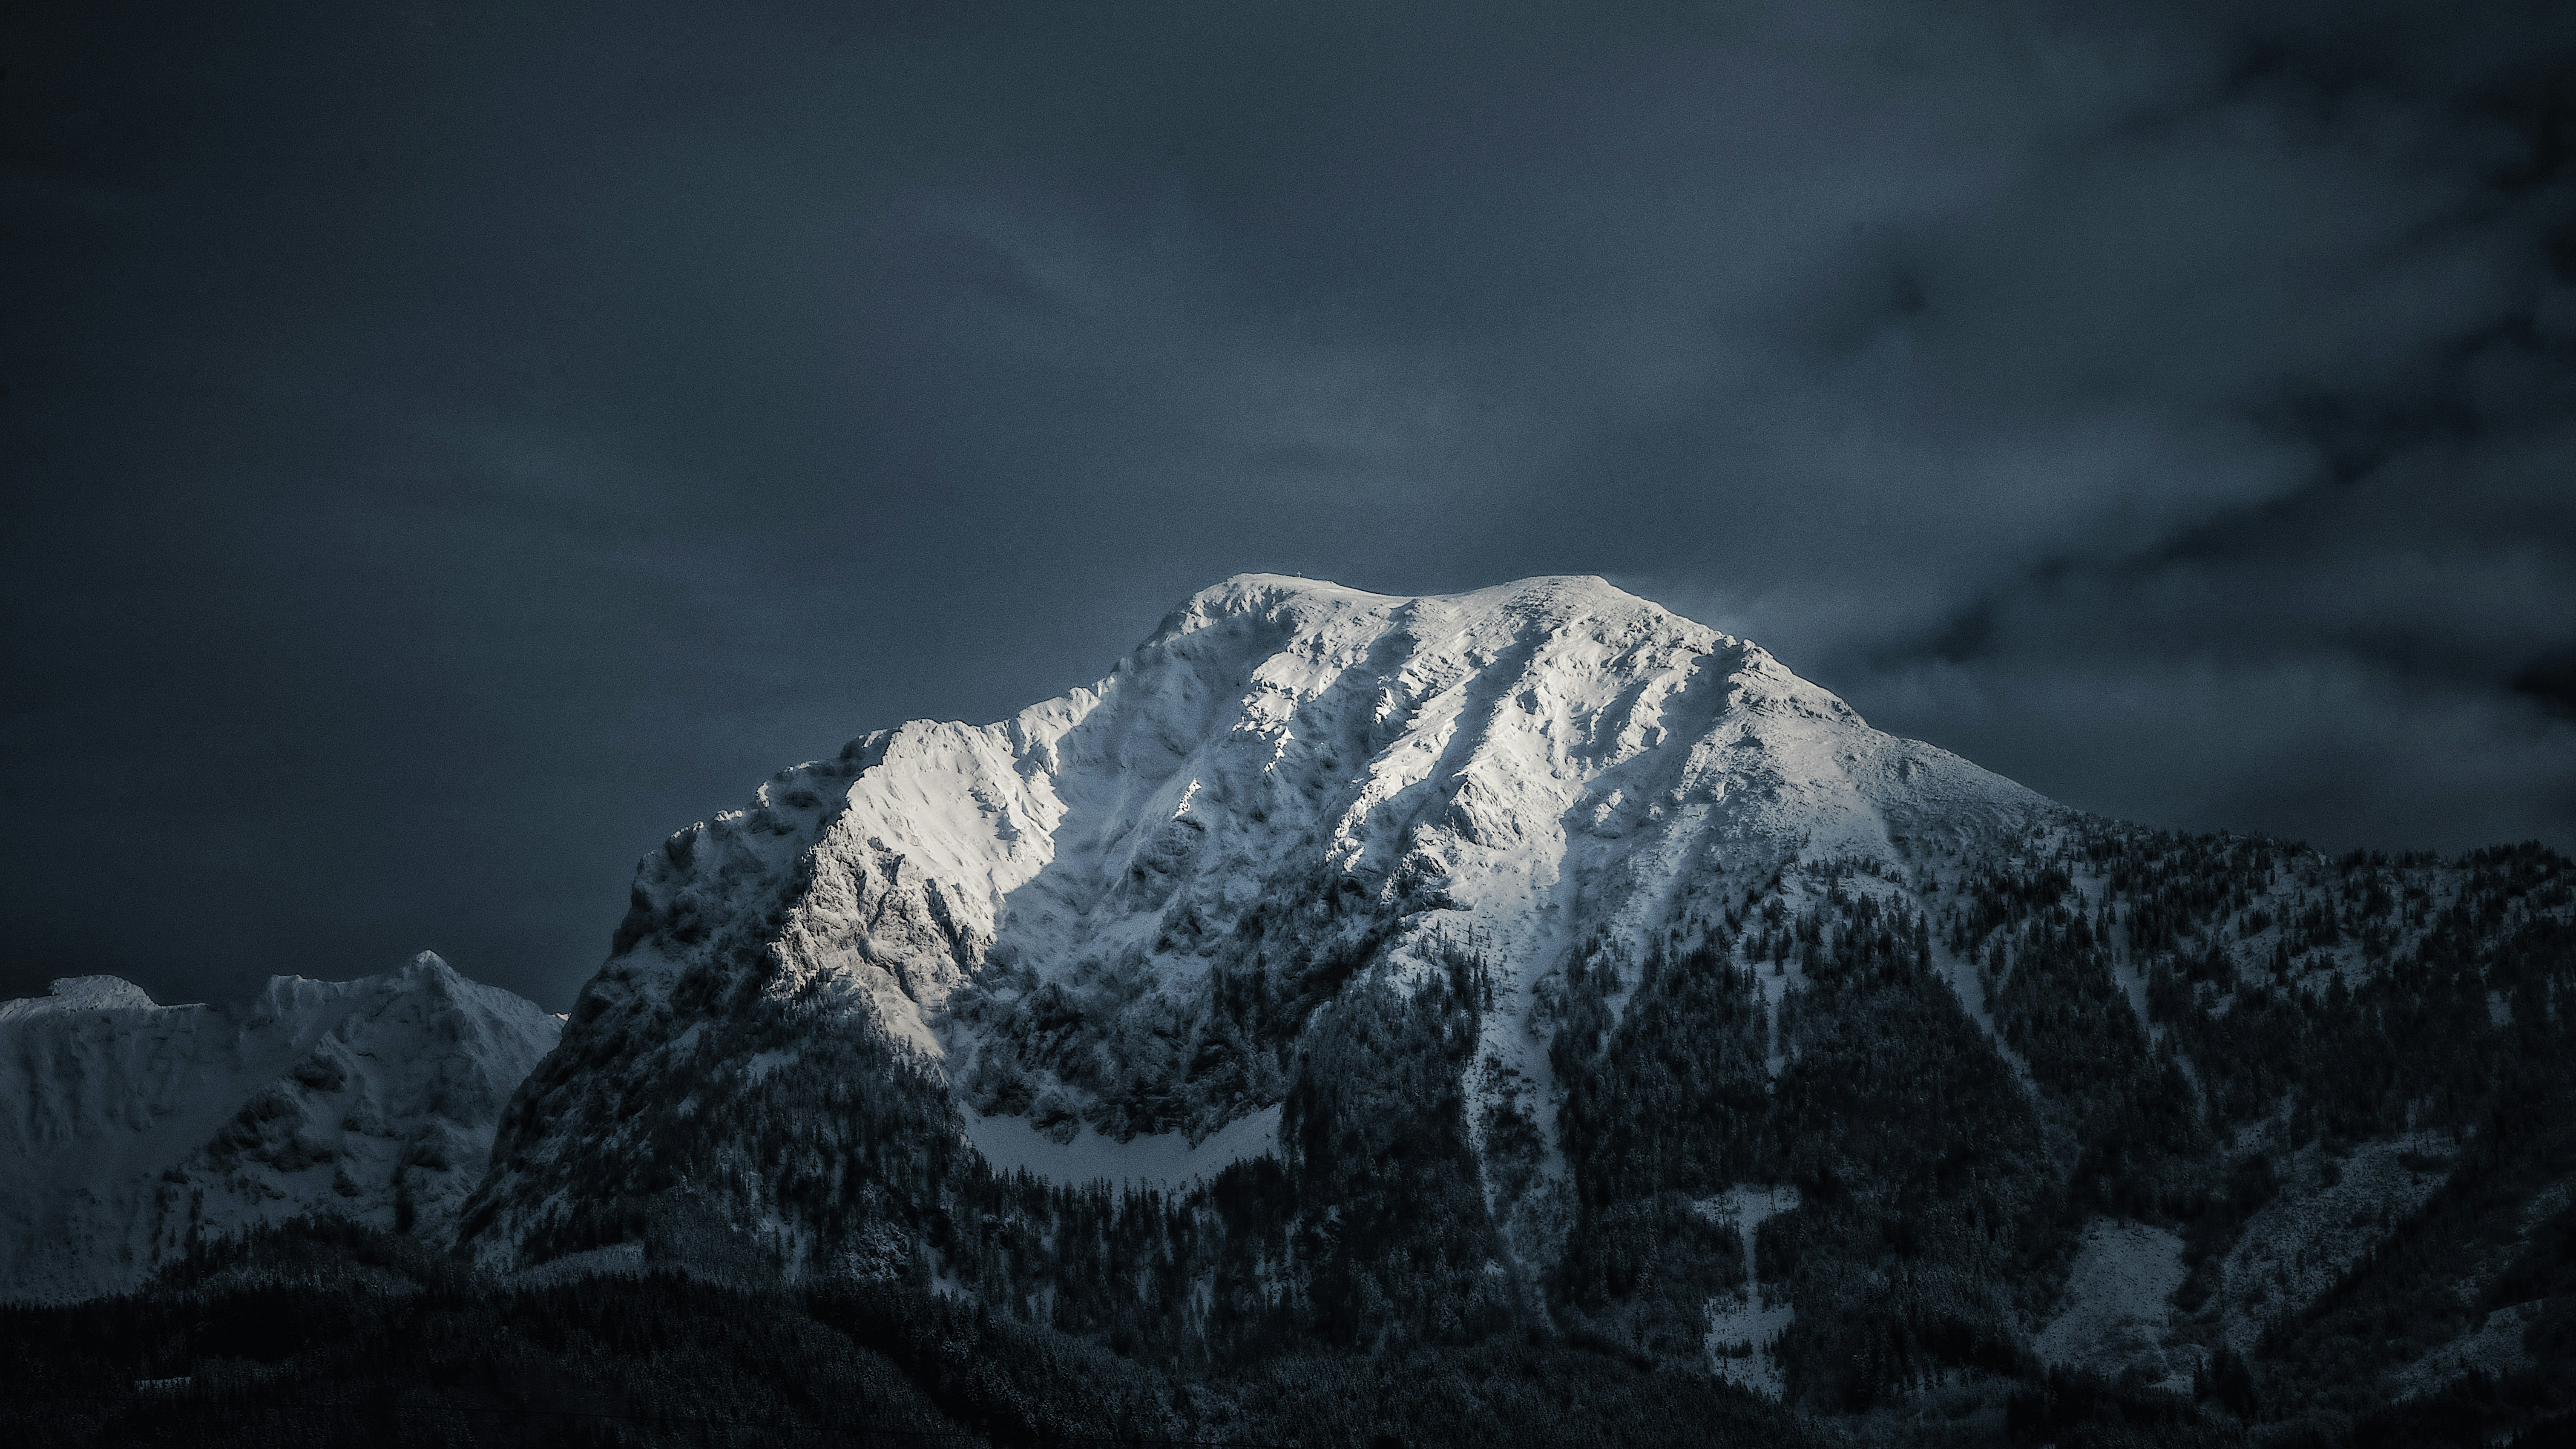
(126, 1126)
(1110, 914)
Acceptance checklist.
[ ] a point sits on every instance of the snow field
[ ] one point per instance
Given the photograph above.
(2118, 1308)
(1744, 1327)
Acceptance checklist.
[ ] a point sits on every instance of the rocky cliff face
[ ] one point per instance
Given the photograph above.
(127, 1128)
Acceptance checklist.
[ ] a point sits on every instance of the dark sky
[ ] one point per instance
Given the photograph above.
(449, 447)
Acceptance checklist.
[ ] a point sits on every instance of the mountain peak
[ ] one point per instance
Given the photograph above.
(428, 968)
(82, 993)
(135, 1125)
(1289, 780)
(1295, 598)
(99, 993)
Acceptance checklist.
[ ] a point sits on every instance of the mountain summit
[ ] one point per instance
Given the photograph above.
(1104, 923)
(1452, 1018)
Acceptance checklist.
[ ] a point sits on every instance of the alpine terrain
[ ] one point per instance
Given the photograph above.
(1516, 1016)
(129, 1130)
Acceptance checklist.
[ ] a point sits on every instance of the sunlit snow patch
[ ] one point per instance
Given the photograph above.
(1162, 1160)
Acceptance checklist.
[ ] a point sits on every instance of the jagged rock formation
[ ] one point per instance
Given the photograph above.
(129, 1128)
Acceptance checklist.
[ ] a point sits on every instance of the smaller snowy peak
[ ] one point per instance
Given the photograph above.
(82, 993)
(1264, 593)
(429, 977)
(99, 993)
(126, 1129)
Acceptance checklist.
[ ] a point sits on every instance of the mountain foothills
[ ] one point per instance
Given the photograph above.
(1520, 1016)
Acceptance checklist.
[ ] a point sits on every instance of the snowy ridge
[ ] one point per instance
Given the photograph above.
(127, 1126)
(1046, 909)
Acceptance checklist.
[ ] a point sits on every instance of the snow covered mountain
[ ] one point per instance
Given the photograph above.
(1400, 978)
(1535, 961)
(128, 1127)
(1105, 921)
(1527, 985)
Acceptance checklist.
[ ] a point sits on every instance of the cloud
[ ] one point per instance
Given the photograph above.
(2331, 750)
(465, 450)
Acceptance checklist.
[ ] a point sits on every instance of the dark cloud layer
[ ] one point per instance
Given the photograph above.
(452, 447)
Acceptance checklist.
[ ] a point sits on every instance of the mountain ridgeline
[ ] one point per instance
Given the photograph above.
(1562, 1017)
